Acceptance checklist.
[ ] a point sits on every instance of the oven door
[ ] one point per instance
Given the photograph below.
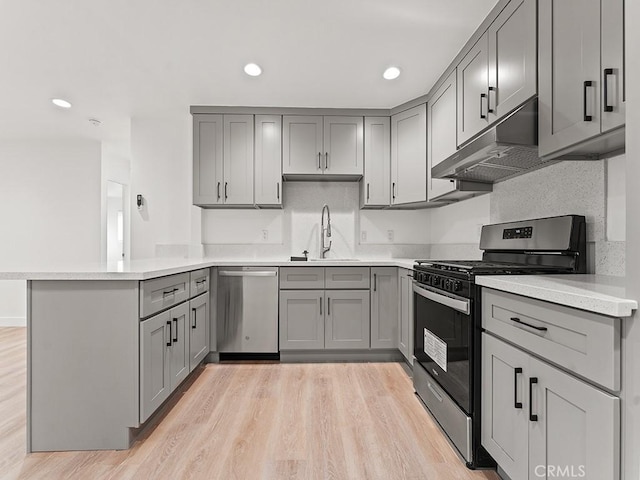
(443, 340)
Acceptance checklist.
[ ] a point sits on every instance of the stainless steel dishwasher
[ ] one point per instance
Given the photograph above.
(247, 313)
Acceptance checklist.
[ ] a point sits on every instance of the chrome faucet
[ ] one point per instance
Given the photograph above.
(324, 249)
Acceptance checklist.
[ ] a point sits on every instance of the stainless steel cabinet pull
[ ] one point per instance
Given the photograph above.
(607, 72)
(278, 190)
(532, 417)
(489, 109)
(328, 306)
(175, 322)
(218, 190)
(587, 84)
(326, 160)
(170, 292)
(482, 96)
(200, 282)
(320, 305)
(516, 403)
(225, 190)
(319, 160)
(517, 320)
(368, 192)
(393, 190)
(195, 318)
(170, 334)
(375, 282)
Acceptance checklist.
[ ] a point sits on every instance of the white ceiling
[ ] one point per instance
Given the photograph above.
(116, 59)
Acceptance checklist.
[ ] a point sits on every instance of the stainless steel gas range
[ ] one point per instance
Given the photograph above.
(447, 317)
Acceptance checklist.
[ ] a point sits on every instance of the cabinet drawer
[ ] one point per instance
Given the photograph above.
(302, 278)
(199, 282)
(347, 277)
(163, 292)
(582, 342)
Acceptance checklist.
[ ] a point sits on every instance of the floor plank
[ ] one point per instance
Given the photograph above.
(253, 421)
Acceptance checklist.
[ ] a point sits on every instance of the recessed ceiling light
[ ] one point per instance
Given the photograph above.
(391, 73)
(252, 69)
(61, 103)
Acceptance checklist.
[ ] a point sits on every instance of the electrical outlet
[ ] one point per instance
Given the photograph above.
(363, 236)
(265, 235)
(390, 235)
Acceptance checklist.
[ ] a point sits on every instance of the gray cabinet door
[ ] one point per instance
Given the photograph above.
(347, 324)
(473, 87)
(268, 160)
(409, 156)
(405, 314)
(301, 319)
(376, 186)
(577, 426)
(442, 135)
(569, 58)
(155, 347)
(179, 353)
(505, 406)
(302, 145)
(612, 64)
(343, 145)
(199, 325)
(384, 307)
(513, 73)
(207, 159)
(238, 160)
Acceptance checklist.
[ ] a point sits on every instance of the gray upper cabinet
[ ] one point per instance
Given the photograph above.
(513, 58)
(612, 64)
(316, 145)
(343, 145)
(384, 307)
(238, 159)
(207, 159)
(302, 145)
(581, 72)
(347, 319)
(409, 156)
(441, 137)
(473, 89)
(268, 160)
(376, 184)
(223, 160)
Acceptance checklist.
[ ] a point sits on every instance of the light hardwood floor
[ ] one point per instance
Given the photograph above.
(253, 421)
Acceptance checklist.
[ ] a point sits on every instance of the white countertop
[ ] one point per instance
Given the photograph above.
(594, 293)
(158, 267)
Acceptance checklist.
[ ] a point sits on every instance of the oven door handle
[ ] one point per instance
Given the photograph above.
(463, 306)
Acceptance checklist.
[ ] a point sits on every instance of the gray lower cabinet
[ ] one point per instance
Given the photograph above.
(198, 330)
(164, 358)
(347, 319)
(384, 307)
(405, 314)
(537, 419)
(301, 319)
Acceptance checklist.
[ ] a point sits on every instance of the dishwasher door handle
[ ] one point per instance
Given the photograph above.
(232, 273)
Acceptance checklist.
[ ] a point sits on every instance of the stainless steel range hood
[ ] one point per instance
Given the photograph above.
(504, 151)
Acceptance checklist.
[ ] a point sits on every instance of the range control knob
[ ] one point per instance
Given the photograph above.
(435, 281)
(447, 285)
(457, 286)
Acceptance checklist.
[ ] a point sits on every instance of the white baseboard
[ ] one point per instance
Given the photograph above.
(13, 322)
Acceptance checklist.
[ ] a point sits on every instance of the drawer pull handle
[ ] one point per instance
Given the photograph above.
(170, 292)
(170, 333)
(200, 282)
(319, 160)
(483, 96)
(516, 403)
(375, 282)
(517, 320)
(587, 84)
(532, 416)
(328, 305)
(175, 321)
(195, 318)
(320, 305)
(607, 107)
